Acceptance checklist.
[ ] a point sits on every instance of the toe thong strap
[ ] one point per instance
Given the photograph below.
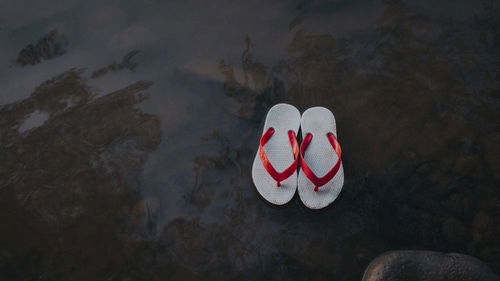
(319, 181)
(279, 176)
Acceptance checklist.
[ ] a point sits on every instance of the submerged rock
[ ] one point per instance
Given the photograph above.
(51, 45)
(427, 266)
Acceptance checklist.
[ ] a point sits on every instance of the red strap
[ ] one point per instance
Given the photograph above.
(278, 177)
(308, 172)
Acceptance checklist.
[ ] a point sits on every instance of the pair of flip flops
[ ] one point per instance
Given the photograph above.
(321, 174)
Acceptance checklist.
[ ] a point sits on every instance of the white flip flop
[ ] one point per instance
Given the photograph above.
(278, 151)
(321, 176)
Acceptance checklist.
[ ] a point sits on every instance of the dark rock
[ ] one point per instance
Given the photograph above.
(427, 265)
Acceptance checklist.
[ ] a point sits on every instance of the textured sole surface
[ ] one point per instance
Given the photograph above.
(320, 157)
(282, 117)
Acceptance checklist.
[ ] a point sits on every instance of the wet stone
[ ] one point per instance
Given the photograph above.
(427, 266)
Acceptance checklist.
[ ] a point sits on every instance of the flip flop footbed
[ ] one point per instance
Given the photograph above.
(320, 157)
(281, 117)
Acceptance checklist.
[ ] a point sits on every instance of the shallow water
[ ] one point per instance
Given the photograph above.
(128, 132)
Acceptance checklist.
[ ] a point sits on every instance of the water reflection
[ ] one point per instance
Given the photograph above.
(140, 169)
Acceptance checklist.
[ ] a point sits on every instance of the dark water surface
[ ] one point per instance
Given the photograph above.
(128, 130)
